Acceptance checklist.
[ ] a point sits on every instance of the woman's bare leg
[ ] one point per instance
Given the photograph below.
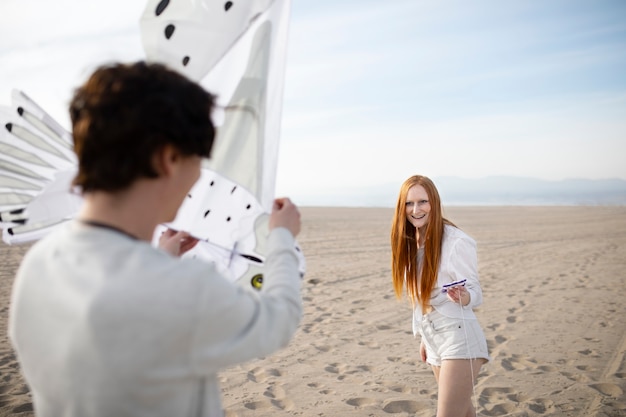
(455, 381)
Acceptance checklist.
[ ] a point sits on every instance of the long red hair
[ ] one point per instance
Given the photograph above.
(404, 267)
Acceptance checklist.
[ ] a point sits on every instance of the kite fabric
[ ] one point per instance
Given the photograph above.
(37, 166)
(237, 51)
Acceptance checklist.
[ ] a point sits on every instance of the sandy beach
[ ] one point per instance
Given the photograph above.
(553, 314)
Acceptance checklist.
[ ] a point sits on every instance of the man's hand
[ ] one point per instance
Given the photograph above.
(177, 243)
(285, 214)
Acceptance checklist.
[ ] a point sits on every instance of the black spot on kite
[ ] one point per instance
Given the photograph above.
(228, 218)
(161, 6)
(233, 190)
(212, 183)
(206, 213)
(9, 126)
(189, 196)
(251, 258)
(228, 5)
(185, 61)
(169, 30)
(20, 111)
(248, 207)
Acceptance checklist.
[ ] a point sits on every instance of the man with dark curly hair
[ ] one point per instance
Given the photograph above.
(105, 324)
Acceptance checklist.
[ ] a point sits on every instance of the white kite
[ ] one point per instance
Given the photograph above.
(237, 51)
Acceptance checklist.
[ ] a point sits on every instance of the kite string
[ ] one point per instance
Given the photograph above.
(469, 354)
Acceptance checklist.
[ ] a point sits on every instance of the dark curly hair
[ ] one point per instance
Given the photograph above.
(124, 113)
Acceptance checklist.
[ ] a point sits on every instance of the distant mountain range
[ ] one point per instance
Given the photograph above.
(531, 191)
(488, 191)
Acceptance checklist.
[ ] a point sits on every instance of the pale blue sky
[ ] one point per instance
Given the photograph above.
(377, 91)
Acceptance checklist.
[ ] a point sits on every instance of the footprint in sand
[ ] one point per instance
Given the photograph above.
(336, 368)
(610, 390)
(318, 386)
(402, 406)
(518, 362)
(365, 368)
(309, 327)
(499, 409)
(258, 405)
(403, 389)
(360, 402)
(492, 395)
(497, 343)
(406, 361)
(275, 392)
(541, 406)
(284, 404)
(547, 368)
(322, 348)
(260, 375)
(499, 401)
(589, 352)
(371, 345)
(322, 317)
(494, 327)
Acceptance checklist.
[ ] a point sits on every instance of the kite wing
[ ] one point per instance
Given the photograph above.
(37, 165)
(236, 50)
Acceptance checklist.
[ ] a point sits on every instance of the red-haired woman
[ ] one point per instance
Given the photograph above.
(428, 253)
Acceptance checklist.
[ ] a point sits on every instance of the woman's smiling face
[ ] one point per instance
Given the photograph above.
(417, 206)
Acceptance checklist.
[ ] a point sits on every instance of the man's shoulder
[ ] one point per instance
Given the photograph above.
(55, 238)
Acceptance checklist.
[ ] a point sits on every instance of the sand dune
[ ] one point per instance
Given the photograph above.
(553, 315)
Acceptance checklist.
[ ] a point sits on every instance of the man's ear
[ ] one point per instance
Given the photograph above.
(165, 159)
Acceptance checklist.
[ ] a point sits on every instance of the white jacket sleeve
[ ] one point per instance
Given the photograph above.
(235, 325)
(464, 265)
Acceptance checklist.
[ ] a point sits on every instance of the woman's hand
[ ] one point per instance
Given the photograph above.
(176, 243)
(459, 295)
(422, 352)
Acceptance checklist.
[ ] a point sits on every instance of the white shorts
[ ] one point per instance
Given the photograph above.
(448, 338)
